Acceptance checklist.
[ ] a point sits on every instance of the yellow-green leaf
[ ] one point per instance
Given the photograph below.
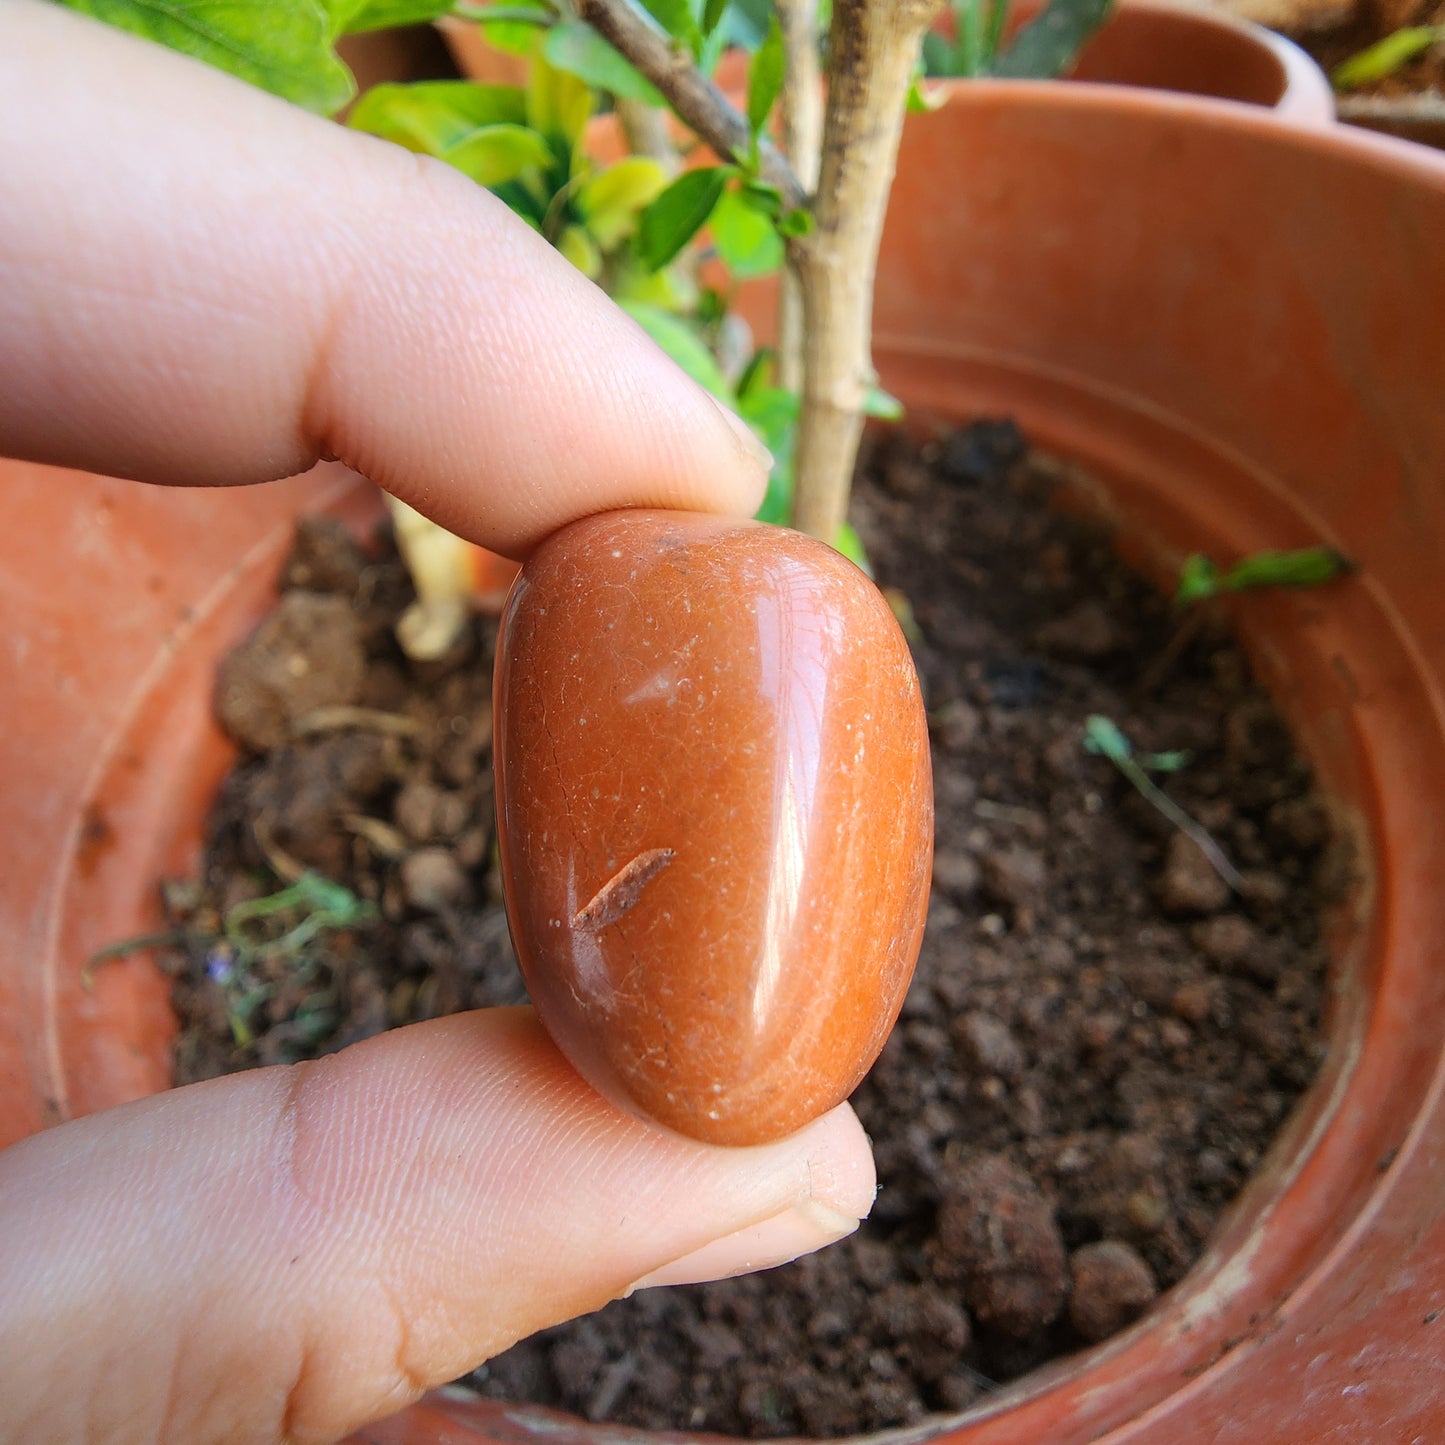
(1386, 56)
(578, 247)
(492, 154)
(612, 201)
(430, 116)
(558, 103)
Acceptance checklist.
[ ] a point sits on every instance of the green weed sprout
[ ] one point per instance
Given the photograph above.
(1386, 56)
(1103, 737)
(1201, 577)
(246, 942)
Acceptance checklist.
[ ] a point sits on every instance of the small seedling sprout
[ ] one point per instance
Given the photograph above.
(1104, 737)
(1202, 578)
(1382, 59)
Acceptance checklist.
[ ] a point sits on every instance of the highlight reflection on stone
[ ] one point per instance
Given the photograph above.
(716, 817)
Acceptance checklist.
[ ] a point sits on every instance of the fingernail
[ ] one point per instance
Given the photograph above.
(746, 436)
(800, 1230)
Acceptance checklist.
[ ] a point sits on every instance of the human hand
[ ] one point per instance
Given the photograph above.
(200, 284)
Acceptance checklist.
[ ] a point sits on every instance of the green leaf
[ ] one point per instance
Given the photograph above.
(580, 249)
(676, 17)
(924, 100)
(518, 28)
(679, 213)
(772, 412)
(762, 197)
(285, 49)
(1303, 567)
(493, 154)
(777, 504)
(670, 289)
(850, 544)
(612, 201)
(745, 239)
(711, 307)
(1386, 56)
(1048, 45)
(765, 78)
(579, 50)
(1170, 762)
(429, 116)
(1102, 736)
(1198, 579)
(385, 14)
(684, 346)
(712, 14)
(795, 223)
(757, 374)
(519, 200)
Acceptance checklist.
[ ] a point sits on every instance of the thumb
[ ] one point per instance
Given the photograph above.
(289, 1253)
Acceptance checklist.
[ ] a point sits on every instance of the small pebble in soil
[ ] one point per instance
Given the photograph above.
(1111, 1285)
(307, 654)
(1099, 1044)
(1190, 882)
(998, 1237)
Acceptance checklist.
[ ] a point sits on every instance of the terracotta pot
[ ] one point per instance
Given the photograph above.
(1156, 287)
(476, 59)
(1194, 51)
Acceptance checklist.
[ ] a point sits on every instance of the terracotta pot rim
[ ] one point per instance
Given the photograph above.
(1089, 98)
(1306, 96)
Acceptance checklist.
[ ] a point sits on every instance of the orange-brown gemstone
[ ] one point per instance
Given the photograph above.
(716, 815)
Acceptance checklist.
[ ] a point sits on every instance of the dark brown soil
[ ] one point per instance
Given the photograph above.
(1102, 1037)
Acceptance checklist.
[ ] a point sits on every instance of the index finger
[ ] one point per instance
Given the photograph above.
(202, 284)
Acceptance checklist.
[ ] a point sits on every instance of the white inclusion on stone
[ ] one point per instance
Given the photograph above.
(660, 687)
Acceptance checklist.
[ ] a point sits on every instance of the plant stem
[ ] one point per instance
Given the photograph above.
(874, 45)
(1171, 810)
(168, 938)
(802, 143)
(697, 101)
(645, 127)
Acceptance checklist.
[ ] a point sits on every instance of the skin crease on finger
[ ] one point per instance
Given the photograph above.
(202, 284)
(285, 1254)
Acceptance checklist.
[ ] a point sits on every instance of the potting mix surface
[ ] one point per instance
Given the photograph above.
(1102, 1037)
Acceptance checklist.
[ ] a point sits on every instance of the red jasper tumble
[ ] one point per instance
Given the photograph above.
(716, 815)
